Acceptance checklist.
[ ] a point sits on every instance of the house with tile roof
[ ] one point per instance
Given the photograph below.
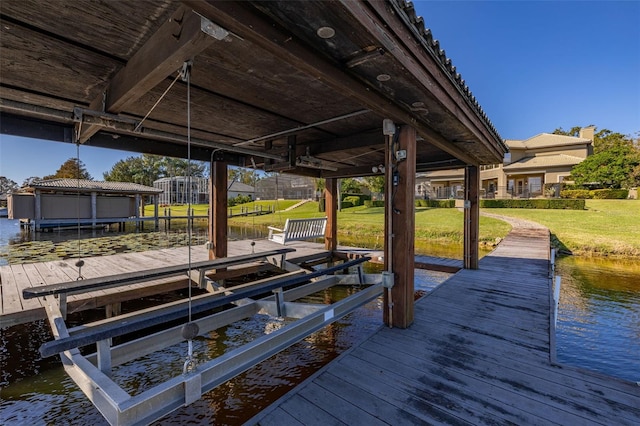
(534, 167)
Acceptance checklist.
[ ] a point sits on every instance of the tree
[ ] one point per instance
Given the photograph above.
(614, 167)
(575, 131)
(71, 169)
(136, 170)
(147, 168)
(375, 183)
(31, 180)
(242, 174)
(350, 186)
(180, 167)
(7, 185)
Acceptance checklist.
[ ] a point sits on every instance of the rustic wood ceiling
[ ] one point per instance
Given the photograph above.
(282, 81)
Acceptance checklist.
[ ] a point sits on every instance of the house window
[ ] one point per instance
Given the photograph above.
(535, 185)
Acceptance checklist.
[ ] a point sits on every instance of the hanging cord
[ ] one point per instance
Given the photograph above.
(190, 330)
(180, 74)
(79, 262)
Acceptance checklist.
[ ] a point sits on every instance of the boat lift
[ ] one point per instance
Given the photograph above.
(92, 373)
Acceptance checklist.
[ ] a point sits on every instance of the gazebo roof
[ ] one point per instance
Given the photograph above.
(301, 87)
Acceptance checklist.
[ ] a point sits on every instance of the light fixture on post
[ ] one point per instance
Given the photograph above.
(378, 169)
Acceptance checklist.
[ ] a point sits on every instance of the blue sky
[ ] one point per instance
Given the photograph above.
(533, 66)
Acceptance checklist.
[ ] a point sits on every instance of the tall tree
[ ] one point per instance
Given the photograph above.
(350, 186)
(614, 164)
(71, 169)
(7, 185)
(375, 183)
(242, 174)
(30, 180)
(147, 168)
(180, 167)
(136, 170)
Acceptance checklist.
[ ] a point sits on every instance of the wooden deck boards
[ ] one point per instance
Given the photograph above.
(477, 353)
(15, 278)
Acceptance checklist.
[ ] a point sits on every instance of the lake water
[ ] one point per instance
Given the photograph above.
(598, 328)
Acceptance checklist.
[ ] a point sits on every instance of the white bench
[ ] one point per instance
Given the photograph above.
(298, 229)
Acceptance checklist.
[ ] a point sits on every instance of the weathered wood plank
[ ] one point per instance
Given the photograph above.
(479, 353)
(347, 412)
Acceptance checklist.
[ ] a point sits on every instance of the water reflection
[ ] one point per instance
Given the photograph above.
(599, 316)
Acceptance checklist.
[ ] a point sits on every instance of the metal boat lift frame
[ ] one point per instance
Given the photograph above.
(92, 372)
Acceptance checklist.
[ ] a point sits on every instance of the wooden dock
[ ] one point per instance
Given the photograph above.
(480, 351)
(14, 278)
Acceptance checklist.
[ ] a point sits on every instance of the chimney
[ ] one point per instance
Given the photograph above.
(587, 132)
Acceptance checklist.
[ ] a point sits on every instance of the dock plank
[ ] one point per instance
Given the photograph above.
(479, 352)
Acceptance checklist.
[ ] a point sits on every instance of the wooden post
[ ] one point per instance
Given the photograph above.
(218, 210)
(471, 216)
(137, 211)
(331, 210)
(94, 208)
(400, 228)
(155, 211)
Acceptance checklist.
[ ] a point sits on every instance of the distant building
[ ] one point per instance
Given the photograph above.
(175, 190)
(287, 187)
(69, 202)
(534, 167)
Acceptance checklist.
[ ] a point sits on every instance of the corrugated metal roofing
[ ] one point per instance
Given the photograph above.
(92, 185)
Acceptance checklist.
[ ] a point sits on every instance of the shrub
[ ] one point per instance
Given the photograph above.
(537, 203)
(346, 204)
(240, 199)
(444, 204)
(321, 205)
(609, 194)
(373, 203)
(353, 199)
(575, 193)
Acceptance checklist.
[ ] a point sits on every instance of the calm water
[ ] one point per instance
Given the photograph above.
(598, 328)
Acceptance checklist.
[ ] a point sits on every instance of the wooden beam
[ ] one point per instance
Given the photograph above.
(400, 250)
(331, 210)
(361, 140)
(471, 216)
(255, 28)
(177, 40)
(218, 210)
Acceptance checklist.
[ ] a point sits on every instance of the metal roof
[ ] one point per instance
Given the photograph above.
(90, 186)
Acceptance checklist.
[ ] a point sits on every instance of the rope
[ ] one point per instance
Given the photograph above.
(158, 101)
(190, 330)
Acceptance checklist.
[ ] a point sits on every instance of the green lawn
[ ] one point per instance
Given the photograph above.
(605, 227)
(364, 227)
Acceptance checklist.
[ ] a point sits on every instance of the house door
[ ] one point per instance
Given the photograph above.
(519, 187)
